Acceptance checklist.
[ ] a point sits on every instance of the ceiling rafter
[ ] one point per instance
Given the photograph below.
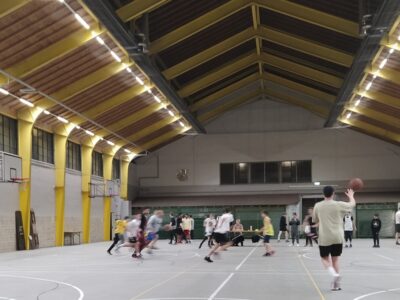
(152, 128)
(9, 6)
(137, 8)
(198, 24)
(312, 16)
(374, 114)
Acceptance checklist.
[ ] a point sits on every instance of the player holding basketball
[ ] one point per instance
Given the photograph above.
(329, 216)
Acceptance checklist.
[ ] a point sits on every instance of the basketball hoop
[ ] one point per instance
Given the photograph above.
(107, 188)
(22, 182)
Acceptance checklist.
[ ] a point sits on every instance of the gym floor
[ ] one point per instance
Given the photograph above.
(180, 273)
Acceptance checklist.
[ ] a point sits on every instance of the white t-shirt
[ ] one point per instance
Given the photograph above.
(398, 217)
(132, 228)
(154, 224)
(223, 223)
(209, 225)
(348, 223)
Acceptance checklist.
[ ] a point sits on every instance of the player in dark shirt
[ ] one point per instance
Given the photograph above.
(376, 225)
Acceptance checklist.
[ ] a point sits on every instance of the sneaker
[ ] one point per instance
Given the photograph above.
(272, 252)
(377, 246)
(351, 246)
(397, 243)
(336, 284)
(346, 246)
(109, 252)
(267, 254)
(298, 245)
(287, 241)
(208, 259)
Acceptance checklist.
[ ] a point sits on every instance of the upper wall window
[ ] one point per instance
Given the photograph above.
(97, 164)
(42, 145)
(73, 156)
(8, 135)
(266, 172)
(116, 169)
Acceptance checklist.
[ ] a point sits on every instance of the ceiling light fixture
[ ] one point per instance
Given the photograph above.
(358, 102)
(391, 50)
(181, 123)
(383, 63)
(46, 112)
(140, 81)
(61, 119)
(368, 86)
(127, 151)
(89, 133)
(82, 21)
(116, 57)
(157, 99)
(26, 102)
(100, 40)
(171, 113)
(4, 92)
(110, 143)
(348, 115)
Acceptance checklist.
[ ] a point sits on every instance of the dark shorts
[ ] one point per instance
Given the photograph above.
(221, 238)
(267, 238)
(332, 250)
(132, 240)
(398, 228)
(283, 229)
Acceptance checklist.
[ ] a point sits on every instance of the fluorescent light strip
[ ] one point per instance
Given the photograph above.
(82, 21)
(61, 119)
(383, 63)
(116, 57)
(89, 133)
(171, 113)
(77, 127)
(110, 143)
(4, 92)
(127, 151)
(357, 102)
(368, 86)
(181, 123)
(391, 50)
(46, 112)
(140, 81)
(129, 70)
(26, 102)
(100, 40)
(157, 99)
(348, 115)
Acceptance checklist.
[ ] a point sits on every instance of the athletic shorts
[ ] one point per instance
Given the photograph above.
(132, 240)
(332, 250)
(186, 232)
(221, 238)
(267, 238)
(283, 229)
(151, 236)
(398, 228)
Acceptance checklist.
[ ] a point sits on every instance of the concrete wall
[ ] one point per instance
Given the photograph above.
(43, 202)
(9, 204)
(336, 154)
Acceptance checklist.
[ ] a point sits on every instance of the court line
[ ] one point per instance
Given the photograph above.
(376, 293)
(212, 297)
(245, 259)
(81, 294)
(384, 257)
(322, 297)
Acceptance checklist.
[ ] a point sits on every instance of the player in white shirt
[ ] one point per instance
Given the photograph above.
(221, 234)
(132, 229)
(398, 227)
(349, 227)
(209, 225)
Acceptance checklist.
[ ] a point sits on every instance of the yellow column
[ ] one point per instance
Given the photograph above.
(124, 178)
(86, 156)
(107, 174)
(60, 150)
(26, 119)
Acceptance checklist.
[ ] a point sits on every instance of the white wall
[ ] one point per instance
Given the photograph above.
(73, 201)
(43, 202)
(336, 154)
(9, 204)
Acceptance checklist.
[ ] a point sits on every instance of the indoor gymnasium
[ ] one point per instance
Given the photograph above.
(199, 149)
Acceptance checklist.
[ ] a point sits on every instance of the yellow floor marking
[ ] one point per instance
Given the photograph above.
(322, 297)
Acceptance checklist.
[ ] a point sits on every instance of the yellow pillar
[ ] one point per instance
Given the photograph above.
(26, 119)
(60, 153)
(124, 178)
(107, 174)
(86, 156)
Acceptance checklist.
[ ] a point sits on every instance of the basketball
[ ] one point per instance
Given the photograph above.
(167, 227)
(356, 184)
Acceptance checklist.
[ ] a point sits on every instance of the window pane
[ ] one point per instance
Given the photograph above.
(288, 169)
(257, 172)
(272, 172)
(226, 173)
(304, 171)
(241, 173)
(8, 135)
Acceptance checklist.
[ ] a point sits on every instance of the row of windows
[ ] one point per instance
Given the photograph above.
(8, 135)
(42, 146)
(266, 172)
